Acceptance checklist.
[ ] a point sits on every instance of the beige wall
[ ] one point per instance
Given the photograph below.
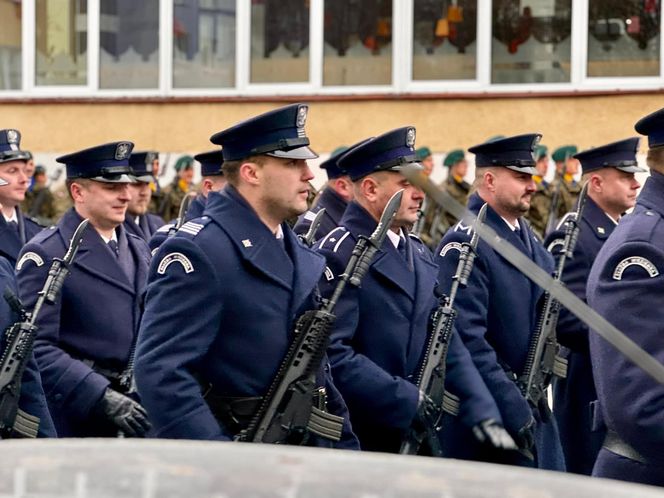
(441, 124)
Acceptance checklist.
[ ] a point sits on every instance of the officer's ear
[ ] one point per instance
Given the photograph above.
(249, 172)
(595, 182)
(344, 187)
(369, 188)
(490, 178)
(76, 189)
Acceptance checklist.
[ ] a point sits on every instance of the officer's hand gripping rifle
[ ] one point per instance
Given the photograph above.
(21, 335)
(308, 238)
(542, 362)
(285, 414)
(431, 375)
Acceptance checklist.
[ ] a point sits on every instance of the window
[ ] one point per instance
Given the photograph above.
(358, 42)
(531, 41)
(623, 38)
(129, 44)
(444, 35)
(10, 45)
(61, 42)
(279, 41)
(204, 44)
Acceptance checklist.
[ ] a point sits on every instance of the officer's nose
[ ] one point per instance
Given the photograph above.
(307, 174)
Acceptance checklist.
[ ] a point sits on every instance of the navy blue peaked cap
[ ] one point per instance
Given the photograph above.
(391, 151)
(278, 133)
(141, 165)
(103, 163)
(653, 126)
(516, 153)
(211, 162)
(10, 147)
(620, 155)
(330, 164)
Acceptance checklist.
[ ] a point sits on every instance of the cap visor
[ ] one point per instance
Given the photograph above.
(529, 170)
(413, 166)
(18, 155)
(631, 169)
(144, 178)
(299, 153)
(114, 179)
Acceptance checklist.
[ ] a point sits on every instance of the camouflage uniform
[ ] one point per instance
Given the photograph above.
(157, 198)
(540, 206)
(61, 201)
(173, 195)
(39, 205)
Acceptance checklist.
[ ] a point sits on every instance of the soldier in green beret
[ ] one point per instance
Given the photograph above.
(566, 169)
(540, 201)
(179, 187)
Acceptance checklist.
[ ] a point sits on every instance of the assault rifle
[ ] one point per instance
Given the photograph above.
(431, 375)
(20, 336)
(308, 238)
(542, 362)
(287, 414)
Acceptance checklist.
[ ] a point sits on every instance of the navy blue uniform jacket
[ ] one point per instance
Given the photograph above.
(497, 313)
(573, 395)
(380, 333)
(334, 207)
(32, 400)
(222, 299)
(12, 242)
(195, 210)
(626, 286)
(147, 225)
(96, 318)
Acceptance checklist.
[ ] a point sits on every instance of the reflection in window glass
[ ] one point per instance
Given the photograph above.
(531, 41)
(279, 41)
(129, 44)
(203, 43)
(10, 45)
(623, 38)
(444, 39)
(61, 42)
(358, 42)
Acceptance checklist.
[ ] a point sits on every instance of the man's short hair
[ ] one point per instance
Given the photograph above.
(231, 169)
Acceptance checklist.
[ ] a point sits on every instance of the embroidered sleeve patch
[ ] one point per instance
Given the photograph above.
(329, 276)
(644, 263)
(554, 243)
(29, 256)
(165, 228)
(175, 257)
(450, 246)
(460, 227)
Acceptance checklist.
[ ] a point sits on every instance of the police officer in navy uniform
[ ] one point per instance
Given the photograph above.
(138, 220)
(334, 198)
(225, 292)
(626, 286)
(213, 181)
(15, 228)
(33, 418)
(84, 340)
(498, 310)
(612, 188)
(381, 330)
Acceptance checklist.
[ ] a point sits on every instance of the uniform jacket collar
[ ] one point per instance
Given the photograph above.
(11, 241)
(334, 204)
(652, 193)
(94, 255)
(196, 207)
(598, 221)
(257, 245)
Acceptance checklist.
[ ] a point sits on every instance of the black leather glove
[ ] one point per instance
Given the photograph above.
(525, 438)
(427, 413)
(492, 433)
(130, 417)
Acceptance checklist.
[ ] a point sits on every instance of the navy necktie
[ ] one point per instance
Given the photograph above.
(401, 247)
(13, 226)
(114, 247)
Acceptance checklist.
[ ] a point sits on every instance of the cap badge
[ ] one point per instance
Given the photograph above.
(534, 145)
(246, 243)
(301, 116)
(122, 151)
(410, 138)
(12, 136)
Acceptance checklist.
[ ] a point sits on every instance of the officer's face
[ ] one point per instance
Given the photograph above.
(187, 174)
(512, 191)
(389, 183)
(140, 198)
(618, 189)
(460, 169)
(13, 172)
(284, 185)
(427, 163)
(105, 204)
(542, 165)
(572, 166)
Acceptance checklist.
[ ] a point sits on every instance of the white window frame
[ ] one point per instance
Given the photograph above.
(402, 82)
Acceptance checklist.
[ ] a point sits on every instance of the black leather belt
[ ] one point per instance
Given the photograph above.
(614, 444)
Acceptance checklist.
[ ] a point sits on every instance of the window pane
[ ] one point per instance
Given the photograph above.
(444, 40)
(279, 41)
(531, 41)
(129, 44)
(358, 42)
(10, 45)
(61, 42)
(623, 38)
(203, 43)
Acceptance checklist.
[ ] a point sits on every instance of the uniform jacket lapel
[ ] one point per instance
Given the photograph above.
(9, 240)
(253, 240)
(308, 267)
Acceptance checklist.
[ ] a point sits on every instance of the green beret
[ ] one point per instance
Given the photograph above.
(184, 162)
(563, 153)
(453, 157)
(540, 152)
(339, 150)
(39, 170)
(422, 153)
